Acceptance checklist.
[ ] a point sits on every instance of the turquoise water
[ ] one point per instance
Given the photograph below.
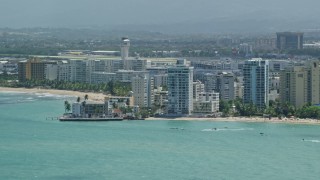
(32, 147)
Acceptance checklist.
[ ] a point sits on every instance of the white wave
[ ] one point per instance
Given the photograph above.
(53, 96)
(228, 129)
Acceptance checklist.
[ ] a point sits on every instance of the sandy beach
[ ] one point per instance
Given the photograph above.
(243, 119)
(91, 96)
(100, 97)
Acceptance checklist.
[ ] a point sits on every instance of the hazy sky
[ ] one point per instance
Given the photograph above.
(79, 13)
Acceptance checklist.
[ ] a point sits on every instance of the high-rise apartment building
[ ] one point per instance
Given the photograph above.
(289, 40)
(300, 84)
(180, 89)
(225, 86)
(142, 87)
(256, 82)
(32, 69)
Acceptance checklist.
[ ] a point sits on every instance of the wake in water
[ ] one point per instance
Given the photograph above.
(228, 129)
(311, 140)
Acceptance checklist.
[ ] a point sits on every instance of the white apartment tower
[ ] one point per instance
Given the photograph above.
(180, 89)
(142, 87)
(256, 82)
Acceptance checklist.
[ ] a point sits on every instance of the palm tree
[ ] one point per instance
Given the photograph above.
(86, 97)
(67, 106)
(78, 99)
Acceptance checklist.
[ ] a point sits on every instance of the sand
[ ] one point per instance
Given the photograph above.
(100, 97)
(244, 119)
(91, 96)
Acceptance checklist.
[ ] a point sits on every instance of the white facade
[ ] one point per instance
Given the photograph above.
(198, 88)
(51, 72)
(142, 88)
(76, 109)
(207, 103)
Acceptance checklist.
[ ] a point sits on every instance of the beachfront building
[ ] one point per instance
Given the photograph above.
(102, 77)
(238, 87)
(142, 87)
(180, 89)
(210, 82)
(207, 103)
(90, 109)
(300, 84)
(225, 86)
(51, 72)
(32, 69)
(103, 109)
(77, 70)
(256, 82)
(198, 88)
(160, 100)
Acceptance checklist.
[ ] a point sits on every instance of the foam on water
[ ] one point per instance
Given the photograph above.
(228, 129)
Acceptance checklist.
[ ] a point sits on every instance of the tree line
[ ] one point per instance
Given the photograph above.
(275, 109)
(115, 88)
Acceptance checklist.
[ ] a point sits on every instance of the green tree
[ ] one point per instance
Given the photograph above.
(224, 107)
(67, 106)
(308, 111)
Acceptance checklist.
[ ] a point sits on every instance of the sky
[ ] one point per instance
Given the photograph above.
(109, 13)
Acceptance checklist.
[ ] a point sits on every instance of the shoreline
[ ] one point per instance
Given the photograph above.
(242, 119)
(100, 97)
(91, 96)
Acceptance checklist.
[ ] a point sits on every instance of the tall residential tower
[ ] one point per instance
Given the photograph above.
(300, 84)
(256, 82)
(180, 89)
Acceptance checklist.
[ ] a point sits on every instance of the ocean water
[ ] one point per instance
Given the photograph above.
(32, 147)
